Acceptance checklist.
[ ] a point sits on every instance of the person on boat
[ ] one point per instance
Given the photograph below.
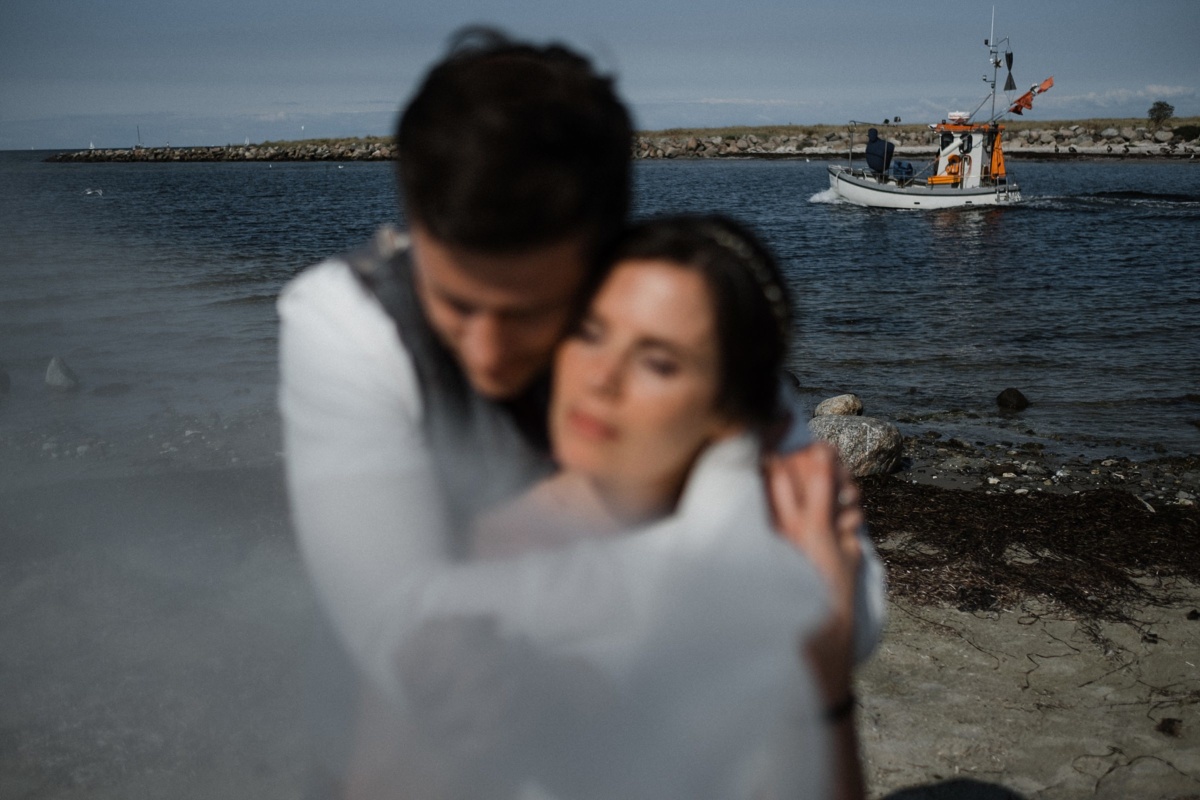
(413, 379)
(879, 152)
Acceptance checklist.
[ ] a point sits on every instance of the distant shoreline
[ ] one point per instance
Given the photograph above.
(1093, 140)
(242, 154)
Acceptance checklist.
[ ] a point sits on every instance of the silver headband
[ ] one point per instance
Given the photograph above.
(771, 289)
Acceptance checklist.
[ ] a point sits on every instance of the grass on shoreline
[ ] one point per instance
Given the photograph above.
(344, 141)
(767, 131)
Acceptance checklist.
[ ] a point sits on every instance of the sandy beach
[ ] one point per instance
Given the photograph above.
(156, 620)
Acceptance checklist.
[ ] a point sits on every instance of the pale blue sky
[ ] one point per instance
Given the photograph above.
(219, 71)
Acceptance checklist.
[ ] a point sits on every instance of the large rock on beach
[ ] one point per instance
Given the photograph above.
(1012, 400)
(844, 405)
(59, 376)
(868, 446)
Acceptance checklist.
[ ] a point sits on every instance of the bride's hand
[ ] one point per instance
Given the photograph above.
(816, 505)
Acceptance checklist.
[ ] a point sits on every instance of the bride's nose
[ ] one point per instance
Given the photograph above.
(605, 374)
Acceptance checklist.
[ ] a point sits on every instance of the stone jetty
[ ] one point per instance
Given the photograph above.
(921, 142)
(364, 150)
(1057, 140)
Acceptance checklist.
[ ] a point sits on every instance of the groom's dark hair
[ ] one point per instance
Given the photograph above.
(508, 145)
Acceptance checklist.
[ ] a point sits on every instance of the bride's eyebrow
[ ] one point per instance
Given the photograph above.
(669, 346)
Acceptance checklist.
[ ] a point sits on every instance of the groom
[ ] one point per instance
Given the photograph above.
(413, 372)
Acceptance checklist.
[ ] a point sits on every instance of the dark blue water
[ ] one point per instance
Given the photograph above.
(1086, 297)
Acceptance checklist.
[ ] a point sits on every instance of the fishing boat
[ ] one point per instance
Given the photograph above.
(969, 169)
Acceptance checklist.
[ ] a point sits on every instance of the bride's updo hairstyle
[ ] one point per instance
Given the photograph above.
(748, 296)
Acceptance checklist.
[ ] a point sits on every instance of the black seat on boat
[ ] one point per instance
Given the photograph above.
(879, 152)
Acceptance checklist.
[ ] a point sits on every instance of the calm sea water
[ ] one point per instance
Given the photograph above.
(157, 282)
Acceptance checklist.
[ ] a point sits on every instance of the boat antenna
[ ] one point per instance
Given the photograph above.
(992, 52)
(996, 61)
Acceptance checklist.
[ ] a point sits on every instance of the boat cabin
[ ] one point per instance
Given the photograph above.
(969, 155)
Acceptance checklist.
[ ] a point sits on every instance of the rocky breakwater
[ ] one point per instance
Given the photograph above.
(920, 141)
(361, 150)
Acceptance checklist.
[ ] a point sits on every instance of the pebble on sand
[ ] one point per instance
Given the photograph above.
(59, 376)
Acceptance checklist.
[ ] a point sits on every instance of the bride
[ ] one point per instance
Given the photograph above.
(666, 395)
(665, 411)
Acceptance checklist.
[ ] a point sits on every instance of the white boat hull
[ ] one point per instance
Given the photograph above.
(854, 186)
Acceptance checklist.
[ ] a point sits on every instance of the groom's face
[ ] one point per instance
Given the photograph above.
(501, 315)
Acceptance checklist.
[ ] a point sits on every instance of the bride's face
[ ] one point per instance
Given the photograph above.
(635, 386)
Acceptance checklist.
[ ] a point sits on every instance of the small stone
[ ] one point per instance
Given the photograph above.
(1009, 475)
(993, 481)
(1171, 726)
(1021, 491)
(846, 405)
(59, 376)
(1012, 400)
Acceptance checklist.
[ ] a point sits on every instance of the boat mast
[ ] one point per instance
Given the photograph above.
(992, 53)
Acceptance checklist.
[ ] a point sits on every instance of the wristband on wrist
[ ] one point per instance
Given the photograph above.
(842, 710)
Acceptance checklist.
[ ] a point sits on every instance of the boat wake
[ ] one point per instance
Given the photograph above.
(827, 196)
(1155, 197)
(1165, 202)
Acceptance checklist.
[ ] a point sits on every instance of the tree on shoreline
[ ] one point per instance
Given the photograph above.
(1160, 112)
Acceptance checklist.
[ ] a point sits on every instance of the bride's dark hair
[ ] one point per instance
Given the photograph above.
(749, 298)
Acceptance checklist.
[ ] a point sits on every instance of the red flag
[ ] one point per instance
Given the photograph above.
(1026, 100)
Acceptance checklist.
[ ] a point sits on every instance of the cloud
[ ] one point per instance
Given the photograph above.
(742, 101)
(1169, 91)
(1118, 97)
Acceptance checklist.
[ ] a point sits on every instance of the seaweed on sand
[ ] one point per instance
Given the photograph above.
(1096, 553)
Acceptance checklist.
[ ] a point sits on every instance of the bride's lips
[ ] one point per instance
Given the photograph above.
(590, 427)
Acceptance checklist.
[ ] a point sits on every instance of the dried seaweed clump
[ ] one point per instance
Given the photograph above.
(1094, 553)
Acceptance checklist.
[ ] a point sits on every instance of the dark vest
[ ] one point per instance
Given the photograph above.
(485, 451)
